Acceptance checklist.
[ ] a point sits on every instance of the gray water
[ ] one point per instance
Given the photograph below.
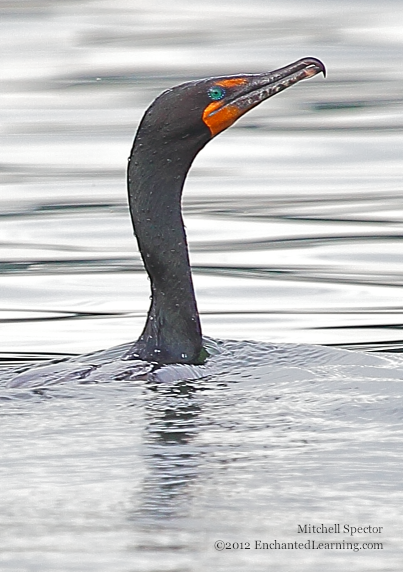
(294, 219)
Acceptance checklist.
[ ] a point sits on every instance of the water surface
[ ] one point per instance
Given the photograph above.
(294, 218)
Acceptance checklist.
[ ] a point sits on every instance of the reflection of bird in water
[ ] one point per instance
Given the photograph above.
(171, 457)
(176, 126)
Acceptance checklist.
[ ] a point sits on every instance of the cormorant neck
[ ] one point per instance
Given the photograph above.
(156, 175)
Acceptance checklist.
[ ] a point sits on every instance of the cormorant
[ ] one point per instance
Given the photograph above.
(175, 127)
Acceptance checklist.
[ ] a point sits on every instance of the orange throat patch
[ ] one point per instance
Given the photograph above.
(218, 116)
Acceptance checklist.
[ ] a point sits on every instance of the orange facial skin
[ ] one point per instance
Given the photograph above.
(221, 119)
(217, 120)
(232, 82)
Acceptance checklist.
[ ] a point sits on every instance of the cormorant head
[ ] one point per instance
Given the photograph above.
(194, 112)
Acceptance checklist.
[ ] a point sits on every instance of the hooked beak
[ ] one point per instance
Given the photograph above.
(247, 91)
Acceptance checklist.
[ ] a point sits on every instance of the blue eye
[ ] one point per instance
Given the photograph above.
(216, 92)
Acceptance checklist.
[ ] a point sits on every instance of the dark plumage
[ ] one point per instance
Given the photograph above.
(175, 127)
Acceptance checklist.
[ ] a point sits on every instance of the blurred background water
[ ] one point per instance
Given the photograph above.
(294, 218)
